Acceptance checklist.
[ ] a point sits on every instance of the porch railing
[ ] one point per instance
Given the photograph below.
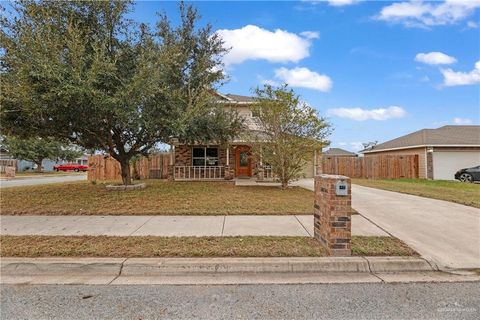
(268, 173)
(199, 172)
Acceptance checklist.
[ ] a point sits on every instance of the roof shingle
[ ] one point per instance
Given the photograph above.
(444, 136)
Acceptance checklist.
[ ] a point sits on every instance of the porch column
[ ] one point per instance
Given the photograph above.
(228, 156)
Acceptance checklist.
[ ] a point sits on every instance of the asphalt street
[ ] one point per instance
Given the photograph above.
(321, 301)
(21, 182)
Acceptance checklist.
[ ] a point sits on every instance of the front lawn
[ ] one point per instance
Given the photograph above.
(159, 198)
(463, 193)
(129, 247)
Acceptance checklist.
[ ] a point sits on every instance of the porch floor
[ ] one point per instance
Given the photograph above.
(243, 182)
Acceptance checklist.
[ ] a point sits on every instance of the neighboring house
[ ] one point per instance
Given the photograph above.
(441, 152)
(47, 164)
(215, 162)
(338, 152)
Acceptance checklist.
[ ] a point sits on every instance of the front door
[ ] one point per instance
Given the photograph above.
(243, 162)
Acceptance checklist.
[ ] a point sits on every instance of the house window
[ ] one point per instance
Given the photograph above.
(205, 157)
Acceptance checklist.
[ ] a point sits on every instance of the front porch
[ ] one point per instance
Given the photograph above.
(214, 162)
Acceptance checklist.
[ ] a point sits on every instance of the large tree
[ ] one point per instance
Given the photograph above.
(82, 71)
(37, 149)
(289, 132)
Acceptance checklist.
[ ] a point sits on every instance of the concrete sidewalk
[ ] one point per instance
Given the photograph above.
(173, 226)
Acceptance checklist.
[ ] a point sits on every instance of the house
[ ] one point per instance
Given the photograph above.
(216, 162)
(338, 152)
(441, 152)
(47, 164)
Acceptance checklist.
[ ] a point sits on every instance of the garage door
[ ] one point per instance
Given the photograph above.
(445, 164)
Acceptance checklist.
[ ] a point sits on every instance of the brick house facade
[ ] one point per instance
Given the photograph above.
(219, 162)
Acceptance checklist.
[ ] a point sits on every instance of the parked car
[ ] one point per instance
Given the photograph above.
(468, 174)
(70, 167)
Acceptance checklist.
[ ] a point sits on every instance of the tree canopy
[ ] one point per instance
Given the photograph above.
(37, 149)
(290, 131)
(82, 71)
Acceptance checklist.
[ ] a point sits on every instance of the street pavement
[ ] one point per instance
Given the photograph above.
(173, 226)
(444, 232)
(313, 301)
(33, 181)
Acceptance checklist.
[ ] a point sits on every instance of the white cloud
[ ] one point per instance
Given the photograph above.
(457, 78)
(339, 3)
(272, 83)
(435, 58)
(359, 114)
(255, 43)
(417, 13)
(304, 78)
(336, 3)
(354, 146)
(472, 24)
(310, 34)
(462, 121)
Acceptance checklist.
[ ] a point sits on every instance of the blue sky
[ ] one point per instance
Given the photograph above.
(375, 69)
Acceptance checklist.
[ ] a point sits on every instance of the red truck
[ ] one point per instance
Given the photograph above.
(70, 167)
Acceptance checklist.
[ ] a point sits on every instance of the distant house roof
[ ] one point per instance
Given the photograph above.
(445, 136)
(339, 152)
(234, 98)
(240, 98)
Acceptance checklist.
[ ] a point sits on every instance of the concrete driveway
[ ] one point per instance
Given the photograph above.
(20, 182)
(443, 232)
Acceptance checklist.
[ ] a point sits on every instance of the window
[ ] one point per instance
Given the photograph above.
(205, 157)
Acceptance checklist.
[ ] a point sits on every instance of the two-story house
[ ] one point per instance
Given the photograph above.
(216, 162)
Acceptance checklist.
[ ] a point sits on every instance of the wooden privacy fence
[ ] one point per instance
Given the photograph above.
(4, 163)
(373, 167)
(103, 168)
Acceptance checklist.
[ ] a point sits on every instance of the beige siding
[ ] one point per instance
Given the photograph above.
(419, 151)
(243, 110)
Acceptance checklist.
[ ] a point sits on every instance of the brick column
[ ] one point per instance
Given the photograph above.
(170, 174)
(332, 215)
(229, 174)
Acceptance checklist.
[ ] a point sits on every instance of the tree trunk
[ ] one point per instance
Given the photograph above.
(126, 177)
(39, 165)
(284, 184)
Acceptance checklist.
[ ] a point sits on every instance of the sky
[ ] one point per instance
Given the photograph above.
(375, 70)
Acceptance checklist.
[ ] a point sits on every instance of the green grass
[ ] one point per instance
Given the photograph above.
(159, 198)
(103, 246)
(463, 193)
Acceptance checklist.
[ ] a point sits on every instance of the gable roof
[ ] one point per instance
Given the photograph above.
(339, 152)
(234, 98)
(443, 136)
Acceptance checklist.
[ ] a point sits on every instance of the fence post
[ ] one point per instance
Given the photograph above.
(332, 213)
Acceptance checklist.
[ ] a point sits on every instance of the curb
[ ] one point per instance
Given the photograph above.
(162, 266)
(60, 266)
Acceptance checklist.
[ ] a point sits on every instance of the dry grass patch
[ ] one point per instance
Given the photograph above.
(380, 246)
(103, 246)
(454, 191)
(159, 198)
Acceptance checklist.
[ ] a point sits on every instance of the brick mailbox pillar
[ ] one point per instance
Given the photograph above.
(332, 213)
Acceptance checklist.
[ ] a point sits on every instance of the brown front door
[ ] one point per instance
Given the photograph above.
(243, 162)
